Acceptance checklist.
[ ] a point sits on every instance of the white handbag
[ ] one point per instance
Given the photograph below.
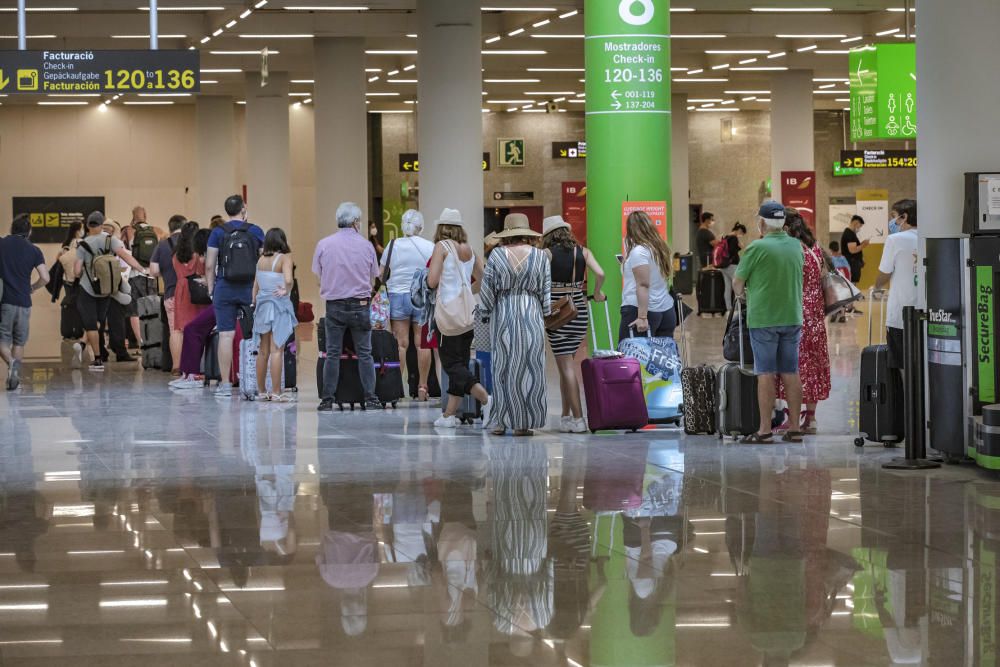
(456, 316)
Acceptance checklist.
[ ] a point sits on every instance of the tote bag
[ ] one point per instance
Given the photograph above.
(456, 316)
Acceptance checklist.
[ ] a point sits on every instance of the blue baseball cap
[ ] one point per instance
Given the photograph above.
(772, 210)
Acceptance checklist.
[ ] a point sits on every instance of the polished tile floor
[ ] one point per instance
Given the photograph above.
(140, 526)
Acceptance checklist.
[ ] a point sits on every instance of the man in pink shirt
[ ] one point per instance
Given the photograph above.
(346, 266)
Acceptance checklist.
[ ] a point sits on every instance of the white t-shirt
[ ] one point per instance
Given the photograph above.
(899, 258)
(659, 295)
(409, 253)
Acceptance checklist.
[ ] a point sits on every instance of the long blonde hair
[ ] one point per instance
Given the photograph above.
(640, 231)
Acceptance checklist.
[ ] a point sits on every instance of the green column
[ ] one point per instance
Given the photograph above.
(628, 122)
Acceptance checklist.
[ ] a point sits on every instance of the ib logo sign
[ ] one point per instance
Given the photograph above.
(645, 15)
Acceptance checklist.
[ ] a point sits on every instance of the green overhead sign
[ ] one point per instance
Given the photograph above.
(884, 92)
(840, 170)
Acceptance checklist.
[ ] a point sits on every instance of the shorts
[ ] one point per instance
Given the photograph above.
(401, 307)
(170, 306)
(776, 350)
(14, 322)
(894, 339)
(227, 300)
(93, 310)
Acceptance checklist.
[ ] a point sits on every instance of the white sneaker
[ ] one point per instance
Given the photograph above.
(446, 422)
(578, 426)
(565, 424)
(487, 406)
(224, 390)
(77, 355)
(187, 384)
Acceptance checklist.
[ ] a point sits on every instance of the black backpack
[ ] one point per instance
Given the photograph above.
(238, 255)
(144, 244)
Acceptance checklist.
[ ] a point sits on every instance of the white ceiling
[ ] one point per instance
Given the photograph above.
(389, 24)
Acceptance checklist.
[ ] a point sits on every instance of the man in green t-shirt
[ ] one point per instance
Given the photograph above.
(770, 275)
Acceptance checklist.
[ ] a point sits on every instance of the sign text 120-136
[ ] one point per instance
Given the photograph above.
(137, 79)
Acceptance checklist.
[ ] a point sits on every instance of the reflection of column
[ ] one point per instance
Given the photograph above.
(791, 125)
(269, 185)
(680, 175)
(341, 130)
(450, 123)
(216, 155)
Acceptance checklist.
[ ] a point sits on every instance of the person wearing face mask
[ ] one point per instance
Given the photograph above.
(705, 240)
(898, 271)
(853, 247)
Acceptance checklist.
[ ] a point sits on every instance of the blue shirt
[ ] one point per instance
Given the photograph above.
(18, 258)
(219, 233)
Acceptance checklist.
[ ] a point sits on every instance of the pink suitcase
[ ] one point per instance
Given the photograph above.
(613, 386)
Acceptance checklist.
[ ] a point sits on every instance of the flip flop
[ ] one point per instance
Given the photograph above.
(758, 439)
(792, 436)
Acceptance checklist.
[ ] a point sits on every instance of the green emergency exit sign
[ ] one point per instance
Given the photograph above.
(883, 92)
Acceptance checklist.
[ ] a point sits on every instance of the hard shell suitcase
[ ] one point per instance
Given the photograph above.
(697, 387)
(388, 371)
(168, 359)
(210, 359)
(711, 292)
(291, 369)
(349, 390)
(471, 409)
(151, 330)
(612, 385)
(249, 350)
(737, 406)
(881, 401)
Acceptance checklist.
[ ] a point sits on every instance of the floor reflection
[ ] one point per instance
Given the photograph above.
(251, 534)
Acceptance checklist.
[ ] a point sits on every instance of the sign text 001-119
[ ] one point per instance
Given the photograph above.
(97, 71)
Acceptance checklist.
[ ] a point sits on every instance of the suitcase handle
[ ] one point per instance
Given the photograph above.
(883, 316)
(593, 329)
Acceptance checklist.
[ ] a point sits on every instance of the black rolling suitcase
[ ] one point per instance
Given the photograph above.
(291, 355)
(737, 406)
(210, 359)
(711, 292)
(167, 362)
(388, 372)
(471, 409)
(881, 402)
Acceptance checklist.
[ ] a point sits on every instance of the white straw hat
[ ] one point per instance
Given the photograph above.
(451, 216)
(552, 223)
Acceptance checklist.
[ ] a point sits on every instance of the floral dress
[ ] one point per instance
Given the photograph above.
(814, 355)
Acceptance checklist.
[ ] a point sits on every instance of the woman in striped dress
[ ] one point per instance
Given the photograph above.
(570, 262)
(515, 298)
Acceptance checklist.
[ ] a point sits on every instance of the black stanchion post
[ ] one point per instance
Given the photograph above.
(913, 389)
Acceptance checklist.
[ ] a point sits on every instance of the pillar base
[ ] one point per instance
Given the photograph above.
(900, 463)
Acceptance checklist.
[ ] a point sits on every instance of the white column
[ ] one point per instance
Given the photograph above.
(341, 127)
(269, 185)
(216, 155)
(957, 106)
(792, 131)
(680, 174)
(449, 121)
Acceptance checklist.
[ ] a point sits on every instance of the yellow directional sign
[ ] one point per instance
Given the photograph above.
(4, 80)
(27, 79)
(37, 219)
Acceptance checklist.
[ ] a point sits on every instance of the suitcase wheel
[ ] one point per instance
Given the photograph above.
(890, 445)
(633, 430)
(593, 431)
(859, 442)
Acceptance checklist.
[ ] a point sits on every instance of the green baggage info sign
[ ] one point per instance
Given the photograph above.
(883, 92)
(102, 72)
(627, 56)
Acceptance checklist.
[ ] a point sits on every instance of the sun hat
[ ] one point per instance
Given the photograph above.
(450, 216)
(552, 223)
(516, 224)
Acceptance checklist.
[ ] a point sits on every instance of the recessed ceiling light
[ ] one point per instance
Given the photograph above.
(509, 101)
(515, 33)
(28, 36)
(569, 14)
(188, 8)
(558, 36)
(810, 36)
(494, 38)
(229, 70)
(722, 66)
(682, 10)
(748, 61)
(246, 13)
(381, 94)
(391, 52)
(512, 80)
(402, 80)
(791, 10)
(279, 36)
(556, 69)
(721, 52)
(513, 52)
(851, 39)
(551, 93)
(299, 94)
(760, 69)
(303, 81)
(539, 24)
(42, 9)
(900, 10)
(519, 9)
(832, 52)
(391, 111)
(64, 104)
(327, 8)
(707, 35)
(811, 47)
(705, 80)
(779, 54)
(244, 53)
(726, 109)
(887, 32)
(147, 36)
(747, 92)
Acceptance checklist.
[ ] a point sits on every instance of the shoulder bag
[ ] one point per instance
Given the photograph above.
(456, 317)
(838, 291)
(564, 310)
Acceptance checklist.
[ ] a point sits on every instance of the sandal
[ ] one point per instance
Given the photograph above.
(263, 396)
(498, 431)
(807, 423)
(758, 439)
(423, 393)
(523, 433)
(793, 437)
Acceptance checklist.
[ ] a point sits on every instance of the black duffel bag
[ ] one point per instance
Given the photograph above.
(735, 328)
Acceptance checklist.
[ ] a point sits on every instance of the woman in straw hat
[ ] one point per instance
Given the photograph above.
(515, 297)
(453, 265)
(570, 262)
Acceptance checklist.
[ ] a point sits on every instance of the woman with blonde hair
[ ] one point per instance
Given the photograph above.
(646, 302)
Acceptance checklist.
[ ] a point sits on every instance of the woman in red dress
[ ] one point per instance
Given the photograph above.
(814, 356)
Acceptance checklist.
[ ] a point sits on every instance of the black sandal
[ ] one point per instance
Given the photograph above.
(758, 439)
(792, 436)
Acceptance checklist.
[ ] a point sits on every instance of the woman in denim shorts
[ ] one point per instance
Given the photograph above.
(402, 257)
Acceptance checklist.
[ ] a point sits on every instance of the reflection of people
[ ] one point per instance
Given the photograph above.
(24, 516)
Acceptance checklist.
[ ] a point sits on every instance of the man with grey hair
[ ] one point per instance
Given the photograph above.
(346, 265)
(770, 276)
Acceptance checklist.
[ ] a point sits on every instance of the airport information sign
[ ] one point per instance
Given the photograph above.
(883, 92)
(97, 71)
